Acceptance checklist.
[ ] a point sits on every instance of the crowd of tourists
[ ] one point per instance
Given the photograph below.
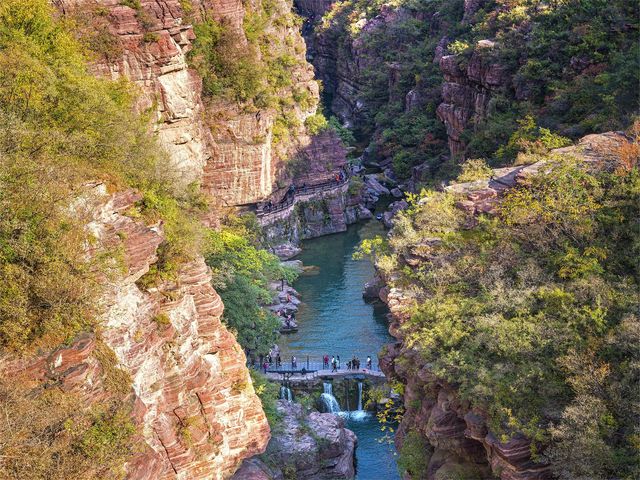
(274, 360)
(353, 364)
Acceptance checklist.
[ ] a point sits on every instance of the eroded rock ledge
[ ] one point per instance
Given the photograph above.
(310, 446)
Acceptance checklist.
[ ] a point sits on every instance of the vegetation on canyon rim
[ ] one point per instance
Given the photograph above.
(573, 66)
(256, 66)
(62, 128)
(532, 314)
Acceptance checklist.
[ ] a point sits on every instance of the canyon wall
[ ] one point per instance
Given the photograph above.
(194, 407)
(225, 146)
(314, 216)
(317, 213)
(458, 437)
(193, 404)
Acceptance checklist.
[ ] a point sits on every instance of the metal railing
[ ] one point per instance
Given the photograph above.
(317, 364)
(302, 191)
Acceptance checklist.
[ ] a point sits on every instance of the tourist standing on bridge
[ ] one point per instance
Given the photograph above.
(338, 361)
(294, 362)
(325, 361)
(278, 361)
(368, 362)
(334, 364)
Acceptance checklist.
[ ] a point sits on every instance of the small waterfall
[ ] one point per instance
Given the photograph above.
(327, 399)
(286, 393)
(359, 396)
(328, 388)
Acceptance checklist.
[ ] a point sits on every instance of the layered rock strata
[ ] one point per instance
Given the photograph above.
(193, 404)
(466, 91)
(315, 215)
(227, 148)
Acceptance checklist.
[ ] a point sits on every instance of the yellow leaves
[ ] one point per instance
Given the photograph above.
(629, 152)
(586, 374)
(474, 169)
(53, 436)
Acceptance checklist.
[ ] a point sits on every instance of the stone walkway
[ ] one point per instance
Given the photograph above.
(276, 212)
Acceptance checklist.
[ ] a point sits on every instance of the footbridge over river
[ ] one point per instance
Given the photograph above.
(305, 370)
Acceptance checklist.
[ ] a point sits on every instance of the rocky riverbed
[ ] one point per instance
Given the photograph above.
(309, 445)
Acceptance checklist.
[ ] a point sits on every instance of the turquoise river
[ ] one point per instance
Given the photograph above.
(335, 320)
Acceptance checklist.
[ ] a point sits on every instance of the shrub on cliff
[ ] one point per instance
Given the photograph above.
(474, 169)
(61, 128)
(414, 456)
(242, 272)
(256, 66)
(53, 436)
(531, 314)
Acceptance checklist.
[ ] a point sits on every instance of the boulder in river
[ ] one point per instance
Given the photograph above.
(372, 288)
(286, 251)
(309, 446)
(394, 208)
(373, 185)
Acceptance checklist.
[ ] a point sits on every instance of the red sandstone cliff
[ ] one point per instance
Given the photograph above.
(194, 406)
(226, 147)
(467, 90)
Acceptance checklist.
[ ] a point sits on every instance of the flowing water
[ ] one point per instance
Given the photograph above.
(328, 400)
(335, 320)
(286, 393)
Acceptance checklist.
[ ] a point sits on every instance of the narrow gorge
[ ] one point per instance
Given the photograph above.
(319, 239)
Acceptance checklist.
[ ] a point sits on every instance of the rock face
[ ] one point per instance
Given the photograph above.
(317, 213)
(467, 90)
(313, 446)
(194, 407)
(341, 63)
(314, 216)
(228, 149)
(459, 437)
